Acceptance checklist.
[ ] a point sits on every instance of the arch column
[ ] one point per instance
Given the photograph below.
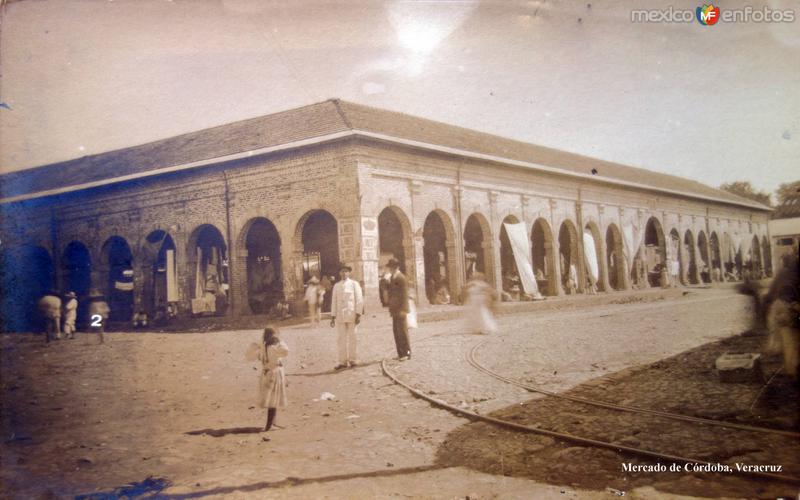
(457, 266)
(602, 251)
(581, 263)
(559, 288)
(139, 280)
(181, 241)
(239, 293)
(419, 266)
(488, 261)
(643, 256)
(602, 257)
(697, 259)
(496, 267)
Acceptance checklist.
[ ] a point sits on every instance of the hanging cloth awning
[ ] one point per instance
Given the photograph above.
(518, 237)
(590, 255)
(632, 237)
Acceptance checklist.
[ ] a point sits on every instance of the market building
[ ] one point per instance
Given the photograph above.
(233, 219)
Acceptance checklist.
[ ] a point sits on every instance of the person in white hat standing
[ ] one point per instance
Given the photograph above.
(347, 306)
(70, 314)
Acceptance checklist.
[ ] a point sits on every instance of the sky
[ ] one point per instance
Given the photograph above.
(714, 103)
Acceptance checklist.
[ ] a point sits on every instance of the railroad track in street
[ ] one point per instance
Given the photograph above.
(600, 443)
(471, 359)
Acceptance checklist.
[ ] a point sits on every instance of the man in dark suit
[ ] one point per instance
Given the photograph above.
(398, 308)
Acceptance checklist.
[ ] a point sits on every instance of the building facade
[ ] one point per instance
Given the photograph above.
(784, 227)
(231, 220)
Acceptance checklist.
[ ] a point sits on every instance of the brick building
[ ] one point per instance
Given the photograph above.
(228, 220)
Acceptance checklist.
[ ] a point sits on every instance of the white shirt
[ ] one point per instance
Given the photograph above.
(347, 301)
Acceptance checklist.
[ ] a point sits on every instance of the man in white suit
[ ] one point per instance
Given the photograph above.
(347, 306)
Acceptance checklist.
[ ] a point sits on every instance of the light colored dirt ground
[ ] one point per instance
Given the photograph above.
(79, 418)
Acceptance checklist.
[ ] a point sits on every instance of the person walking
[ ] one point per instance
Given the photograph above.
(347, 306)
(70, 314)
(312, 297)
(398, 308)
(50, 311)
(481, 300)
(98, 314)
(272, 384)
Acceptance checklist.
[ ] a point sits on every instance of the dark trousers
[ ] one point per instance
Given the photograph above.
(400, 329)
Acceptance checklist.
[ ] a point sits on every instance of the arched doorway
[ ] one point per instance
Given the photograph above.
(568, 256)
(264, 279)
(319, 249)
(716, 257)
(592, 246)
(767, 253)
(76, 264)
(207, 266)
(756, 269)
(26, 273)
(438, 246)
(508, 265)
(117, 266)
(705, 260)
(478, 248)
(160, 273)
(655, 251)
(615, 256)
(676, 267)
(691, 257)
(394, 240)
(737, 257)
(544, 266)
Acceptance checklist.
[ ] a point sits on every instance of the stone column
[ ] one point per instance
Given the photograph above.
(238, 260)
(496, 268)
(559, 289)
(581, 258)
(601, 252)
(418, 243)
(368, 260)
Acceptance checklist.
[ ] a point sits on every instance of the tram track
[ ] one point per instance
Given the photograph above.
(471, 359)
(598, 443)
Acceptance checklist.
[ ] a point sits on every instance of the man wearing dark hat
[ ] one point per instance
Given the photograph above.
(398, 308)
(347, 306)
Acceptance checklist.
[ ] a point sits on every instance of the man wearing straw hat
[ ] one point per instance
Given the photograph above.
(347, 306)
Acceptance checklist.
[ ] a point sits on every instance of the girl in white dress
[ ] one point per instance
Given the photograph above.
(272, 385)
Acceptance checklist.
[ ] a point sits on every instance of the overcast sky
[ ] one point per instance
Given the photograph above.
(713, 103)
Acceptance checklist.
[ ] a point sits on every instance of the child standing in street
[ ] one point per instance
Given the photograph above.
(272, 385)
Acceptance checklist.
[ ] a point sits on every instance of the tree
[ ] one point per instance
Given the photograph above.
(786, 190)
(745, 190)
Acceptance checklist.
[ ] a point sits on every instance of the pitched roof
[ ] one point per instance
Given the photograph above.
(330, 118)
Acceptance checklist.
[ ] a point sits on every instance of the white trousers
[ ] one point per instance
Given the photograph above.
(347, 342)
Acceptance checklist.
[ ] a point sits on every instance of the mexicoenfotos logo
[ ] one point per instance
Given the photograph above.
(707, 15)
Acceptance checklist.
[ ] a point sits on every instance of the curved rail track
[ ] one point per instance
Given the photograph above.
(585, 441)
(631, 409)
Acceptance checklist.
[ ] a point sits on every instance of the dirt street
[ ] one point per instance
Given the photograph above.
(80, 418)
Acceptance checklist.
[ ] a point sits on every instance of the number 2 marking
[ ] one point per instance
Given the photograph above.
(97, 320)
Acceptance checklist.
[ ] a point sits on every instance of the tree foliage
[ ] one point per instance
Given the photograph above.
(745, 190)
(787, 190)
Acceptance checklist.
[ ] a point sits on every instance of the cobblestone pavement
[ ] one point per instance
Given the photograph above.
(79, 417)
